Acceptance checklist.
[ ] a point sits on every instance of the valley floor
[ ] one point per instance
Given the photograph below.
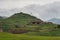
(8, 36)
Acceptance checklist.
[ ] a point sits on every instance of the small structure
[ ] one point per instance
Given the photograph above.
(36, 22)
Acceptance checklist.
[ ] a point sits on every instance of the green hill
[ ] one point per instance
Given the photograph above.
(30, 25)
(21, 19)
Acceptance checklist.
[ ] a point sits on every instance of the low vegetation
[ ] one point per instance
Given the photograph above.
(22, 23)
(9, 36)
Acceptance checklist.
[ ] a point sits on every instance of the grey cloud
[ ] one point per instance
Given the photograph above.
(44, 12)
(8, 0)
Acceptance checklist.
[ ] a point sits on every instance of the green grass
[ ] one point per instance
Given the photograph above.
(8, 36)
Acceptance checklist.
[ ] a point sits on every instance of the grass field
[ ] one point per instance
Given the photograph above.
(8, 36)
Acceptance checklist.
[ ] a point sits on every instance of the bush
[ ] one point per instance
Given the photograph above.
(17, 31)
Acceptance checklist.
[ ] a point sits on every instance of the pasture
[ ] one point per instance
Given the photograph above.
(9, 36)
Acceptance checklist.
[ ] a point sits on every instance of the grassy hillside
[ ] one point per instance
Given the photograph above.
(8, 36)
(30, 25)
(21, 19)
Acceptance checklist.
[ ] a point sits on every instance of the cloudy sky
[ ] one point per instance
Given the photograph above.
(9, 4)
(22, 3)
